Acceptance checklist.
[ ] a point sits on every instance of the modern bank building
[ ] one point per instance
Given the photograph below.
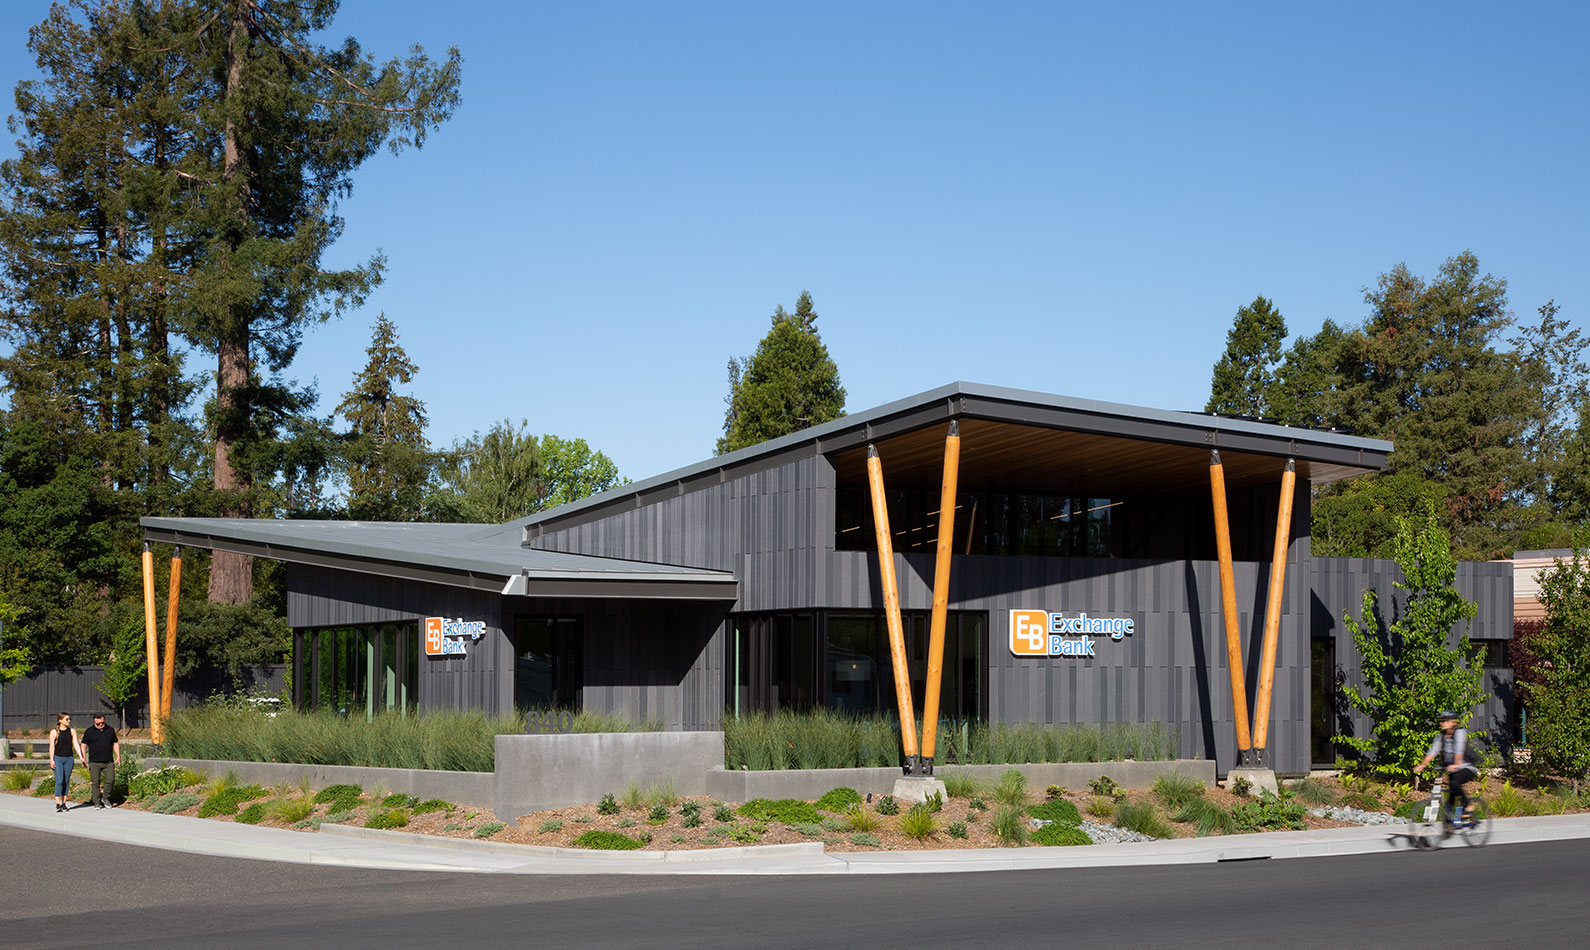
(1105, 564)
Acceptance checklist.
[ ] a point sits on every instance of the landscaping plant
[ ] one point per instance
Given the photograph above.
(888, 806)
(1056, 810)
(1269, 813)
(838, 800)
(1059, 835)
(1142, 818)
(489, 828)
(1177, 790)
(1009, 825)
(1209, 817)
(919, 822)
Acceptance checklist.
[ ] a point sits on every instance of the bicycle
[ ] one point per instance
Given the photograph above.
(1439, 820)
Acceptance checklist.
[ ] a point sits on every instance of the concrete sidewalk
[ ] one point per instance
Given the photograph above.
(367, 848)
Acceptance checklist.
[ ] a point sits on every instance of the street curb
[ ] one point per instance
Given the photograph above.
(800, 848)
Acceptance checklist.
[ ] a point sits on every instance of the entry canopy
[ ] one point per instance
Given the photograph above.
(1017, 440)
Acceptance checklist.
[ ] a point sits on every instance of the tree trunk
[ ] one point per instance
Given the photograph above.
(232, 575)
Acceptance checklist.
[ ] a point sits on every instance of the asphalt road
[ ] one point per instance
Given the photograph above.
(59, 891)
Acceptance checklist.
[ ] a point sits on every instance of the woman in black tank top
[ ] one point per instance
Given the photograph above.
(64, 751)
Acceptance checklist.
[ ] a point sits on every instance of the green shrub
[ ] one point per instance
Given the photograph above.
(1056, 810)
(390, 818)
(888, 806)
(1177, 790)
(959, 784)
(175, 802)
(1058, 835)
(787, 810)
(934, 802)
(919, 822)
(550, 827)
(658, 814)
(692, 819)
(432, 804)
(292, 810)
(338, 793)
(1012, 788)
(17, 780)
(1363, 801)
(957, 829)
(399, 800)
(977, 804)
(1509, 802)
(861, 819)
(252, 815)
(605, 841)
(644, 837)
(46, 786)
(489, 828)
(1009, 825)
(829, 823)
(1269, 813)
(1209, 817)
(1101, 806)
(743, 834)
(1240, 787)
(453, 826)
(1142, 818)
(863, 840)
(227, 800)
(678, 838)
(839, 800)
(608, 805)
(691, 809)
(1104, 785)
(625, 822)
(311, 824)
(339, 817)
(1313, 791)
(723, 813)
(808, 829)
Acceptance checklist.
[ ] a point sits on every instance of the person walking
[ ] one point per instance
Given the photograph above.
(101, 753)
(65, 750)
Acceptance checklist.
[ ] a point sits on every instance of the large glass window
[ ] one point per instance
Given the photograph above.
(986, 523)
(357, 670)
(842, 661)
(549, 672)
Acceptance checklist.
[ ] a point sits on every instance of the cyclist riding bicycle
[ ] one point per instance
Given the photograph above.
(1451, 746)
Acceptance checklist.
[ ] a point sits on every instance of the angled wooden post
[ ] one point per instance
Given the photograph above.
(169, 679)
(891, 609)
(941, 595)
(151, 648)
(1228, 607)
(1272, 610)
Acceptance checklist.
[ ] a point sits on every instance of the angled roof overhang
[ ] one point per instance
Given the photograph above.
(1017, 440)
(452, 554)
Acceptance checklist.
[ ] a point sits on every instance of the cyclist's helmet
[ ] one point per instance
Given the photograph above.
(1447, 714)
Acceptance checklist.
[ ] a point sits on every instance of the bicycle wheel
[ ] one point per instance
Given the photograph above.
(1477, 829)
(1422, 834)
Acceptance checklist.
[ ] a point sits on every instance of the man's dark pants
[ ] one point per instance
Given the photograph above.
(101, 775)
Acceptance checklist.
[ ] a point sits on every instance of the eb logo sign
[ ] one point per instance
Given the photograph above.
(1029, 632)
(433, 636)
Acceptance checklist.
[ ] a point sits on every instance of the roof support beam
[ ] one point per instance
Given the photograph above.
(1228, 609)
(891, 610)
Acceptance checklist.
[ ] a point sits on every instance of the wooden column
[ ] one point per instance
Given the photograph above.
(891, 607)
(1272, 608)
(1228, 607)
(151, 647)
(169, 679)
(941, 594)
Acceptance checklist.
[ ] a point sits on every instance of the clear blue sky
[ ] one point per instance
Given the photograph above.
(1071, 198)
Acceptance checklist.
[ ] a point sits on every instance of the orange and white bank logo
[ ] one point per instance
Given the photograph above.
(445, 637)
(1041, 633)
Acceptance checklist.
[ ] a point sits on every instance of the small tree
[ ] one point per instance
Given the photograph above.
(1411, 670)
(15, 661)
(125, 669)
(1559, 714)
(1244, 378)
(790, 384)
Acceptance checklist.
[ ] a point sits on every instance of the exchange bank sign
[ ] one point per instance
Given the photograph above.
(1041, 633)
(444, 637)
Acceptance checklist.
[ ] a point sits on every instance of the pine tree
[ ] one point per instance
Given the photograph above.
(791, 383)
(388, 457)
(1245, 376)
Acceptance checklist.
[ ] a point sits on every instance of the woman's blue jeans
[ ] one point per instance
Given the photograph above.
(63, 773)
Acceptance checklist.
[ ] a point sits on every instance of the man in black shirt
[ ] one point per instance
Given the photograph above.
(101, 753)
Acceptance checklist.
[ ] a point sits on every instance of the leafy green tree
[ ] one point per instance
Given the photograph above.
(1425, 372)
(15, 660)
(789, 384)
(490, 478)
(127, 665)
(1245, 380)
(1360, 517)
(1559, 716)
(388, 458)
(1420, 663)
(571, 470)
(1570, 489)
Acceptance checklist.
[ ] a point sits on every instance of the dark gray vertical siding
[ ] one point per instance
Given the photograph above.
(322, 597)
(1336, 588)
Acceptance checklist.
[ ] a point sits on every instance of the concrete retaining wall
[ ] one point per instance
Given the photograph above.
(474, 789)
(555, 771)
(813, 783)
